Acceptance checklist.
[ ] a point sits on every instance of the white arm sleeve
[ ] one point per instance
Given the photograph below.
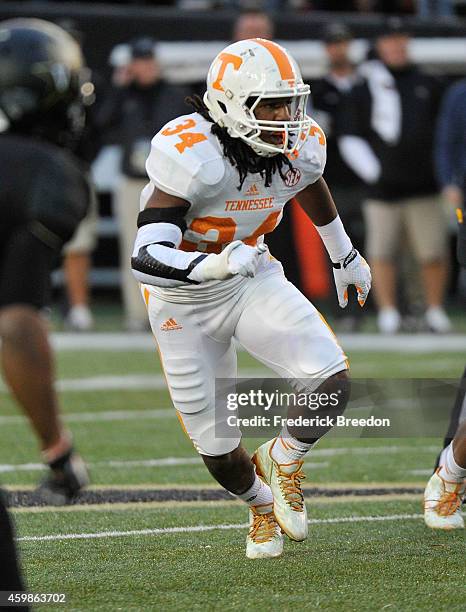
(163, 264)
(360, 157)
(335, 239)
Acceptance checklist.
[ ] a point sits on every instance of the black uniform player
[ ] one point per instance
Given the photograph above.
(328, 96)
(445, 491)
(458, 414)
(43, 196)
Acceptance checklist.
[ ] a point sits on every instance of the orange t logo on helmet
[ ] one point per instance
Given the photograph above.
(258, 69)
(226, 58)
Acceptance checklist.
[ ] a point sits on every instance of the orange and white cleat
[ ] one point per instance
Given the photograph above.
(285, 482)
(264, 540)
(442, 503)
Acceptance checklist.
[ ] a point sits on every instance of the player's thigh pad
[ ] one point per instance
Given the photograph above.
(281, 328)
(192, 361)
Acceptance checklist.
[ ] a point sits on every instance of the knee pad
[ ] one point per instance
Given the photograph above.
(209, 444)
(193, 395)
(208, 437)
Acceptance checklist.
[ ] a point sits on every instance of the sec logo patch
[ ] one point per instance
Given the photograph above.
(292, 177)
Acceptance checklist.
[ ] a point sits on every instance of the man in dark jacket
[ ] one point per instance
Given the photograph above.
(388, 141)
(450, 145)
(137, 111)
(328, 97)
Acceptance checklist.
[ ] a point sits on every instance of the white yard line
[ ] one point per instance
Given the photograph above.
(372, 450)
(113, 341)
(423, 472)
(149, 463)
(163, 462)
(101, 416)
(404, 343)
(136, 382)
(423, 343)
(185, 461)
(200, 528)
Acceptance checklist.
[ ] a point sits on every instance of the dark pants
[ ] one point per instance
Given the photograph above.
(458, 414)
(10, 577)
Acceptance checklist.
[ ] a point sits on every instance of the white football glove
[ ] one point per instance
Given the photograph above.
(352, 270)
(236, 258)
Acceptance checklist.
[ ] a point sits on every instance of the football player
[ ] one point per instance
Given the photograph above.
(446, 488)
(10, 576)
(219, 179)
(43, 196)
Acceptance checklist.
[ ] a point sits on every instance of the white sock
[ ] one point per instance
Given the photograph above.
(260, 494)
(288, 449)
(449, 469)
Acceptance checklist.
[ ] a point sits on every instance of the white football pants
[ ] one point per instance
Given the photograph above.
(267, 315)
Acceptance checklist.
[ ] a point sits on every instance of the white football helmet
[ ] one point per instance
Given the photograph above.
(252, 70)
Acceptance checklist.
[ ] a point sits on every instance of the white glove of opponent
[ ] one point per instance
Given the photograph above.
(352, 270)
(236, 258)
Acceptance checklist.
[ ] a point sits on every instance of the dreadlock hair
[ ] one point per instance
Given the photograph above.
(238, 153)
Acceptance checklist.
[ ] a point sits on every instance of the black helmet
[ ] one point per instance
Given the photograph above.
(42, 80)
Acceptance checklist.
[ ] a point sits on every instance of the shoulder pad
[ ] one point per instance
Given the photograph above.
(185, 160)
(312, 155)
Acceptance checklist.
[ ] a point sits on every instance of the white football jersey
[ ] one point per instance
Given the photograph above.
(187, 161)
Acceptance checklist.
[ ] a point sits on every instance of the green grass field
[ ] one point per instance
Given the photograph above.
(365, 552)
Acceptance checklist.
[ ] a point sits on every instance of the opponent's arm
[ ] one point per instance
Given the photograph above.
(157, 260)
(349, 267)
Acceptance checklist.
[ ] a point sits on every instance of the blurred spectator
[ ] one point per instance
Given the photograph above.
(450, 149)
(435, 8)
(252, 24)
(77, 252)
(388, 141)
(76, 266)
(120, 61)
(327, 97)
(138, 109)
(249, 24)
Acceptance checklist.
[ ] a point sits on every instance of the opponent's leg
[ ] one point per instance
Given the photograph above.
(28, 369)
(27, 361)
(458, 453)
(446, 488)
(457, 416)
(281, 328)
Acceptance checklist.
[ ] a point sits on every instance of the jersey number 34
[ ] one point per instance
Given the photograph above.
(188, 139)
